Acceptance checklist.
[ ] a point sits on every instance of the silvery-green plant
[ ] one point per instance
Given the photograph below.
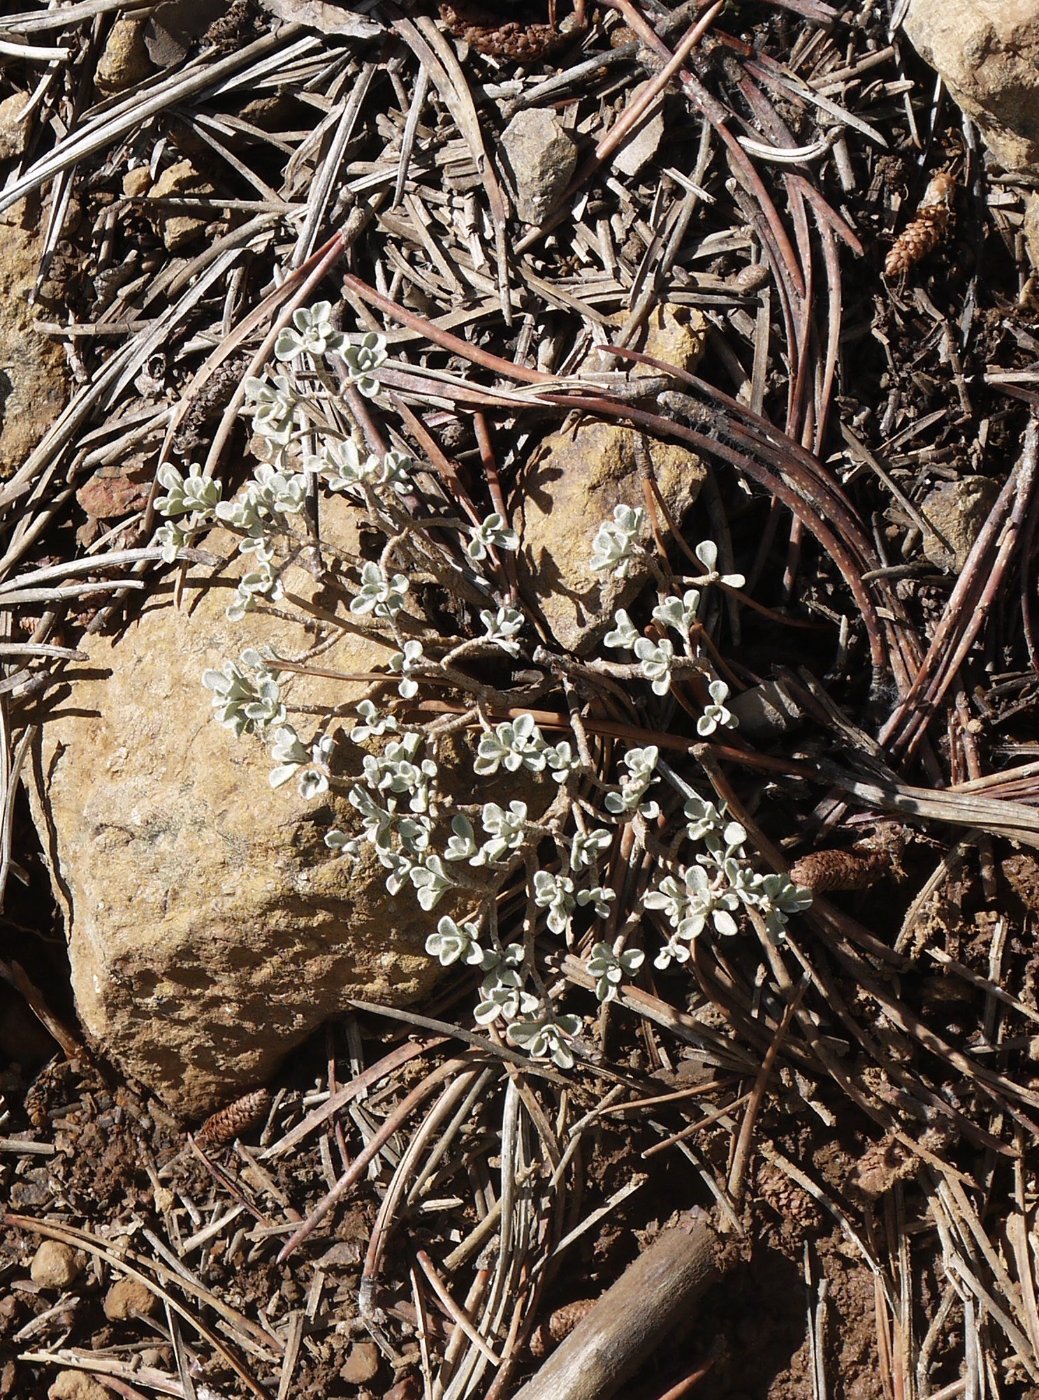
(715, 714)
(655, 662)
(555, 894)
(379, 593)
(610, 969)
(371, 723)
(192, 492)
(616, 546)
(588, 847)
(193, 497)
(275, 403)
(677, 613)
(557, 836)
(246, 695)
(454, 942)
(294, 760)
(506, 831)
(310, 333)
(403, 663)
(512, 745)
(543, 1033)
(491, 533)
(638, 765)
(503, 628)
(363, 359)
(623, 634)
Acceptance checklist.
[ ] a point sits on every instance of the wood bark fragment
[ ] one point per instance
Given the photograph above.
(633, 1317)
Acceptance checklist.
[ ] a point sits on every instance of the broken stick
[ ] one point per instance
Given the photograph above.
(632, 1317)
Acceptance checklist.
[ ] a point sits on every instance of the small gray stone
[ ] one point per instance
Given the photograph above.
(634, 154)
(766, 711)
(362, 1363)
(542, 157)
(178, 228)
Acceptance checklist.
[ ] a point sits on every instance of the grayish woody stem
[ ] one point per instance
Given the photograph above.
(633, 1317)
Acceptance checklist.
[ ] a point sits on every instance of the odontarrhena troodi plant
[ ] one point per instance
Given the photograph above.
(592, 794)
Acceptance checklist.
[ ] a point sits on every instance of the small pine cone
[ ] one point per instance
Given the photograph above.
(547, 1335)
(788, 1200)
(923, 234)
(839, 870)
(228, 1123)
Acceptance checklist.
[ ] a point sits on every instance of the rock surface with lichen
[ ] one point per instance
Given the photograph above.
(987, 52)
(33, 375)
(210, 929)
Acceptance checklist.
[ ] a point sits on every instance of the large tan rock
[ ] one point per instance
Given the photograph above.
(574, 481)
(987, 51)
(210, 929)
(33, 374)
